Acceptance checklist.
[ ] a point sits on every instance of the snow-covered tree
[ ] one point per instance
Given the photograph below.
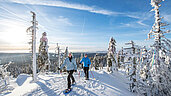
(96, 62)
(4, 76)
(131, 59)
(78, 61)
(111, 56)
(3, 70)
(118, 59)
(121, 58)
(104, 60)
(160, 71)
(64, 56)
(43, 56)
(57, 63)
(143, 73)
(101, 62)
(66, 52)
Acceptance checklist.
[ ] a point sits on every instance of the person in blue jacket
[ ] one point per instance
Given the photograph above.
(71, 67)
(86, 63)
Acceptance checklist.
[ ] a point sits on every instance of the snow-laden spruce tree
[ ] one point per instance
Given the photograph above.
(65, 55)
(101, 62)
(143, 73)
(111, 56)
(43, 56)
(131, 64)
(118, 59)
(118, 56)
(160, 71)
(121, 58)
(4, 77)
(104, 61)
(81, 66)
(96, 62)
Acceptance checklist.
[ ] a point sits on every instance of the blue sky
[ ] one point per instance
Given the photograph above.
(82, 25)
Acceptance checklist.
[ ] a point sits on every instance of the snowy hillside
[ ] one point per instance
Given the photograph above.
(52, 84)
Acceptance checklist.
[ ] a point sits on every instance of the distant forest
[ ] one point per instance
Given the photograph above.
(25, 58)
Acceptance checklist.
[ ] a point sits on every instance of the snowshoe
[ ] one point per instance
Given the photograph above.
(67, 91)
(74, 83)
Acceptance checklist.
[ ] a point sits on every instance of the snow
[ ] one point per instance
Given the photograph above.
(26, 87)
(52, 84)
(21, 79)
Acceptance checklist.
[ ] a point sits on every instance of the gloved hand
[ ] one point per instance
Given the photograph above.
(75, 70)
(58, 68)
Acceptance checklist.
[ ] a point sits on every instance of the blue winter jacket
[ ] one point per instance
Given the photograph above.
(69, 65)
(86, 61)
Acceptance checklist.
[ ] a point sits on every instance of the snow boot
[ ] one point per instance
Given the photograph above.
(73, 83)
(87, 79)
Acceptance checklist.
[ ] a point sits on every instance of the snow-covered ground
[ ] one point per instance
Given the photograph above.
(53, 84)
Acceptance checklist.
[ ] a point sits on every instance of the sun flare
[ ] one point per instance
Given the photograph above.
(14, 33)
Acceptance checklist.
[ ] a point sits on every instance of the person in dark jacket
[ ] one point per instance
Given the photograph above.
(86, 63)
(71, 67)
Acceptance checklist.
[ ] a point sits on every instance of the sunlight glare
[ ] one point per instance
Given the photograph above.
(15, 34)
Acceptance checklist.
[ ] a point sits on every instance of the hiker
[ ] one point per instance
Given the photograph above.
(71, 67)
(86, 61)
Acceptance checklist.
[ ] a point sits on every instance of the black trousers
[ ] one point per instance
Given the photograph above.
(86, 71)
(70, 76)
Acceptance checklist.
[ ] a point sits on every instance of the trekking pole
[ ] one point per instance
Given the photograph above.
(63, 78)
(92, 74)
(79, 74)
